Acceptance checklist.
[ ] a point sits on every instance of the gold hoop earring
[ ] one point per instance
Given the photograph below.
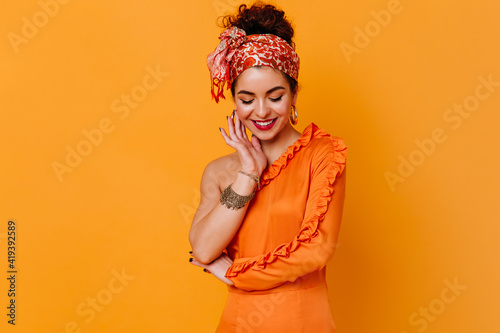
(294, 116)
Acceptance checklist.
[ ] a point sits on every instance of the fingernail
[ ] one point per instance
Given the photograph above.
(220, 129)
(227, 117)
(233, 113)
(191, 252)
(190, 259)
(204, 269)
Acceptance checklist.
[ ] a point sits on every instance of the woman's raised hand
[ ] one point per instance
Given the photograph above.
(252, 158)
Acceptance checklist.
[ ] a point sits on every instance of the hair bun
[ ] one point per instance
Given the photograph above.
(261, 18)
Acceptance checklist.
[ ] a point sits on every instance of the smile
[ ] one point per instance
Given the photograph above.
(264, 125)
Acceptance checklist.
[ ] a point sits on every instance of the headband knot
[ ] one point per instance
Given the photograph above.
(237, 52)
(219, 60)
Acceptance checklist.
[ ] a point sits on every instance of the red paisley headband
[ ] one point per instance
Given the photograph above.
(237, 52)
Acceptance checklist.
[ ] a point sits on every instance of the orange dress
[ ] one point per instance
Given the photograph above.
(288, 235)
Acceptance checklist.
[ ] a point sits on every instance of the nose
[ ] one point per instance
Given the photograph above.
(262, 110)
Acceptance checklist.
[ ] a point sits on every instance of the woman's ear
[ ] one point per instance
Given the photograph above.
(294, 97)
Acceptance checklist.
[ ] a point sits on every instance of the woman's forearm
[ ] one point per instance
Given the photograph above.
(210, 234)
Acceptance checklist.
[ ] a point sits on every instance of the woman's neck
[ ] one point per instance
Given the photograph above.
(279, 144)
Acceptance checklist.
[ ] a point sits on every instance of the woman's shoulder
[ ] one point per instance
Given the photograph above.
(323, 141)
(327, 150)
(223, 169)
(229, 162)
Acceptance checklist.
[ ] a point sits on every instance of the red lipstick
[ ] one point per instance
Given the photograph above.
(264, 125)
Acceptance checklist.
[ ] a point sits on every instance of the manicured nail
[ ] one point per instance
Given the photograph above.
(233, 113)
(191, 252)
(220, 129)
(190, 259)
(204, 269)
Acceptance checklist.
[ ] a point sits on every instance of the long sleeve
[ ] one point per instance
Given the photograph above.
(314, 245)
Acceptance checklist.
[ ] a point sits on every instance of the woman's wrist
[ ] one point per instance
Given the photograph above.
(254, 177)
(243, 185)
(239, 193)
(250, 171)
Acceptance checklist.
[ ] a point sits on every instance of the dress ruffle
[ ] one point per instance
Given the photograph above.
(335, 165)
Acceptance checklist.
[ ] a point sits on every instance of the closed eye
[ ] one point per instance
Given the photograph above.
(272, 99)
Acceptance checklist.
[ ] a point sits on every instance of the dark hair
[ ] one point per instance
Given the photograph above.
(262, 18)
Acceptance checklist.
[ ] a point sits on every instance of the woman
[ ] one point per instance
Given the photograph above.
(271, 224)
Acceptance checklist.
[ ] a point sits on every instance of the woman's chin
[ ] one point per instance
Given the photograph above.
(264, 135)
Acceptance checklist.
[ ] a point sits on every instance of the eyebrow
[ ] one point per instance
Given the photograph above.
(268, 92)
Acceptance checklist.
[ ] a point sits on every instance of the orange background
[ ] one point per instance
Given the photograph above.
(102, 245)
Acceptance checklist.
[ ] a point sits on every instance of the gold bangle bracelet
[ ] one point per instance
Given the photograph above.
(233, 200)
